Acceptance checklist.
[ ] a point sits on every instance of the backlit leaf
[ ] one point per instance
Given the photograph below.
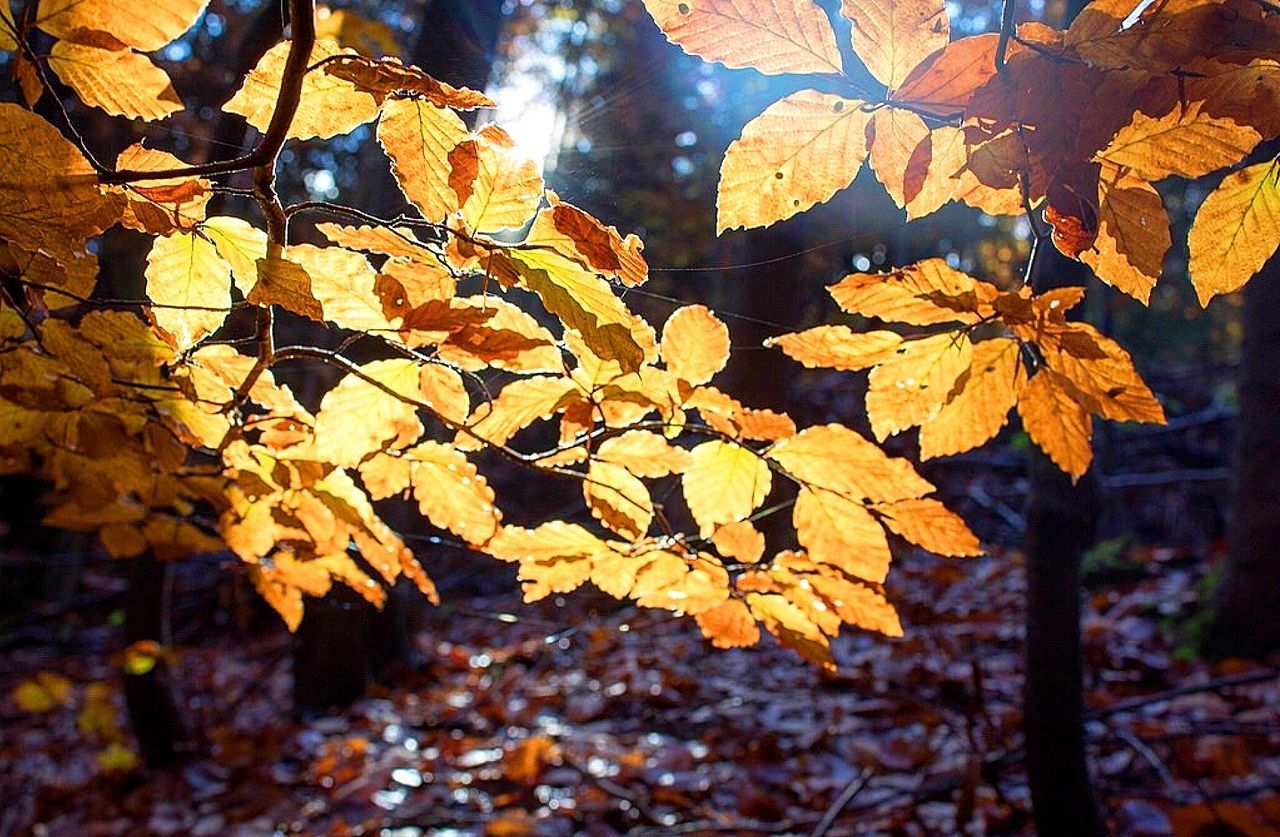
(1235, 231)
(910, 386)
(989, 390)
(841, 460)
(146, 27)
(191, 286)
(121, 82)
(893, 36)
(930, 525)
(695, 344)
(1056, 422)
(779, 36)
(724, 483)
(837, 347)
(1187, 142)
(798, 153)
(842, 533)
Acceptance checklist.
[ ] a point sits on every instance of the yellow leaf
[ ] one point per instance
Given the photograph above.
(938, 171)
(397, 242)
(798, 153)
(1056, 422)
(520, 403)
(929, 292)
(145, 26)
(729, 625)
(792, 627)
(342, 281)
(599, 247)
(1187, 142)
(912, 385)
(121, 82)
(449, 490)
(285, 283)
(418, 137)
(644, 453)
(511, 340)
(838, 347)
(929, 524)
(586, 303)
(1235, 231)
(893, 137)
(840, 460)
(504, 187)
(357, 418)
(977, 412)
(617, 499)
(49, 195)
(43, 693)
(1110, 385)
(695, 344)
(724, 483)
(161, 207)
(388, 75)
(782, 36)
(1133, 234)
(8, 29)
(739, 540)
(185, 273)
(329, 105)
(893, 36)
(556, 557)
(841, 533)
(241, 244)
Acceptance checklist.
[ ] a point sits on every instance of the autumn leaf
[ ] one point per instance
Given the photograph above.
(506, 187)
(980, 408)
(945, 81)
(782, 36)
(419, 137)
(729, 625)
(724, 483)
(929, 292)
(798, 153)
(1133, 234)
(367, 411)
(644, 453)
(840, 460)
(122, 22)
(739, 540)
(618, 499)
(893, 37)
(329, 106)
(930, 525)
(837, 347)
(842, 533)
(695, 344)
(1056, 422)
(189, 285)
(1235, 230)
(1187, 141)
(912, 384)
(121, 82)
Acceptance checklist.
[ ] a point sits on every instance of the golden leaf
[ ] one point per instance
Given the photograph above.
(781, 36)
(449, 490)
(1110, 385)
(798, 153)
(842, 533)
(342, 282)
(644, 453)
(191, 285)
(397, 242)
(241, 244)
(121, 82)
(418, 137)
(161, 207)
(1235, 230)
(511, 339)
(724, 483)
(894, 36)
(145, 27)
(617, 499)
(584, 302)
(386, 76)
(893, 137)
(739, 540)
(520, 403)
(329, 105)
(945, 81)
(285, 283)
(927, 523)
(1187, 142)
(1056, 422)
(49, 195)
(8, 29)
(837, 347)
(357, 417)
(792, 627)
(840, 460)
(911, 386)
(601, 248)
(729, 625)
(929, 292)
(1133, 234)
(975, 414)
(506, 187)
(556, 557)
(695, 344)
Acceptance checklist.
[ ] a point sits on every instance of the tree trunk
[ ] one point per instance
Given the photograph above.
(1061, 519)
(1247, 602)
(149, 694)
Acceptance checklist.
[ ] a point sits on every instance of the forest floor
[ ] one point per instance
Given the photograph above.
(630, 723)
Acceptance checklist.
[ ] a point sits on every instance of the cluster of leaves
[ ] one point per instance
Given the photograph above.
(1072, 127)
(178, 433)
